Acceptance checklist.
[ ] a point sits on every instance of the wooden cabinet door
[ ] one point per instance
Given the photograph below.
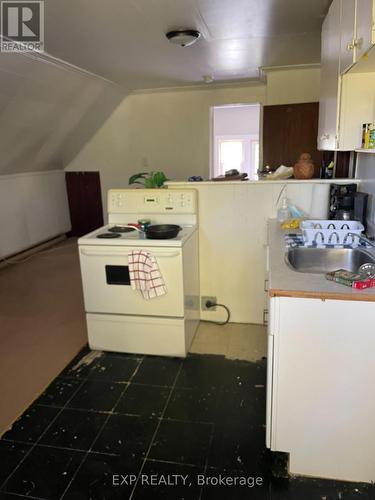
(85, 201)
(288, 131)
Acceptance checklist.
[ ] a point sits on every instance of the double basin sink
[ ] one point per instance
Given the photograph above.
(324, 260)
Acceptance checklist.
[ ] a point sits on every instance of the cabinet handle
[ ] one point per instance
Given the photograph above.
(324, 137)
(357, 42)
(350, 45)
(265, 317)
(266, 285)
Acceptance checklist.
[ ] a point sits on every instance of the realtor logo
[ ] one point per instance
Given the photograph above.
(22, 26)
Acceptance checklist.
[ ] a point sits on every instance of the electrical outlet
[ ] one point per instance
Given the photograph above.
(204, 300)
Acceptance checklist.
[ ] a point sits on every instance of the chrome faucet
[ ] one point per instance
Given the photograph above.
(332, 235)
(360, 237)
(316, 237)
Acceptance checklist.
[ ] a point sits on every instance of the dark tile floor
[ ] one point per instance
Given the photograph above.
(123, 426)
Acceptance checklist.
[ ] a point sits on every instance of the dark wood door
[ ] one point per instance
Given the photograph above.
(85, 201)
(288, 131)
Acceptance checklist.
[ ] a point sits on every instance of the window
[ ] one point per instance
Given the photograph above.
(235, 140)
(231, 154)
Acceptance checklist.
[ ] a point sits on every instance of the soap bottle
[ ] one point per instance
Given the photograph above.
(283, 212)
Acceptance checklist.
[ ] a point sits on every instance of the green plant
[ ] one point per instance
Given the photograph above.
(149, 179)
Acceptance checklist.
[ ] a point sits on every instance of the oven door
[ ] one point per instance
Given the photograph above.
(106, 283)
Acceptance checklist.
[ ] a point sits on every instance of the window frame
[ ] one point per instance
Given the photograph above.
(248, 145)
(213, 151)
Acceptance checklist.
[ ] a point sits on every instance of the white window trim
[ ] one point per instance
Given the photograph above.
(253, 151)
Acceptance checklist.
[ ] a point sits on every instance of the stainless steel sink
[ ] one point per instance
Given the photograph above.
(323, 260)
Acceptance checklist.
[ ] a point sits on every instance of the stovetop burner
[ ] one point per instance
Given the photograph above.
(121, 229)
(108, 235)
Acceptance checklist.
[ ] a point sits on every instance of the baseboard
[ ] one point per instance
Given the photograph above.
(5, 261)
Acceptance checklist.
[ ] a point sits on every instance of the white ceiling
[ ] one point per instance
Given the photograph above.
(124, 41)
(48, 112)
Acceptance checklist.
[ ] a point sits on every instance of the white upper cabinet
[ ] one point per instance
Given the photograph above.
(357, 106)
(329, 83)
(348, 34)
(357, 31)
(345, 102)
(365, 34)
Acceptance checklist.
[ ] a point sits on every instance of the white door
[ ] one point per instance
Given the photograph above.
(106, 284)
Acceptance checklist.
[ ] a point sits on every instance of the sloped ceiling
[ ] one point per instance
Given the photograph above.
(48, 111)
(124, 40)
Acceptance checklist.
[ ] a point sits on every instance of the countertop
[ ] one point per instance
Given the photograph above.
(263, 181)
(284, 282)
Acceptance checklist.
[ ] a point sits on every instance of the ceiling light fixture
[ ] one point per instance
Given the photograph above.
(184, 38)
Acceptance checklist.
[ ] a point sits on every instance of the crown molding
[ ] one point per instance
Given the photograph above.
(253, 82)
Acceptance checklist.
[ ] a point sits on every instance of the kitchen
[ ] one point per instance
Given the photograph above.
(135, 102)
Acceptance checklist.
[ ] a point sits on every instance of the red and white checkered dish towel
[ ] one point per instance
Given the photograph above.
(145, 274)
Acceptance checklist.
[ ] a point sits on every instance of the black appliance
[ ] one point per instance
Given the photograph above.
(346, 203)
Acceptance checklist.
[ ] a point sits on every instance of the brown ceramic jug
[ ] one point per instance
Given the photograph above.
(304, 168)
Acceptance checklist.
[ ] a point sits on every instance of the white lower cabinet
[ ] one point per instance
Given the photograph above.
(321, 376)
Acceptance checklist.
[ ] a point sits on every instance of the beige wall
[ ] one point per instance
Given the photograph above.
(236, 120)
(291, 86)
(232, 240)
(166, 131)
(170, 130)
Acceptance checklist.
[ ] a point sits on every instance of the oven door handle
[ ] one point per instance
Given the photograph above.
(95, 253)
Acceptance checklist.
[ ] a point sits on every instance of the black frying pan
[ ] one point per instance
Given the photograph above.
(162, 231)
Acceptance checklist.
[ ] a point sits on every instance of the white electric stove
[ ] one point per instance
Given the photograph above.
(118, 317)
